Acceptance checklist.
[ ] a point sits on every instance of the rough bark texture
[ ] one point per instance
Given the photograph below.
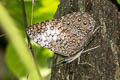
(102, 63)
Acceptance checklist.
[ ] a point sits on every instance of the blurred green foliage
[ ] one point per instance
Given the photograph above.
(19, 44)
(43, 10)
(118, 1)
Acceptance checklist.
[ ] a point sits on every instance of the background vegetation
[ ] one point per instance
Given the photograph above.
(12, 62)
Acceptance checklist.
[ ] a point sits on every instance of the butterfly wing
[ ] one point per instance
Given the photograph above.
(65, 36)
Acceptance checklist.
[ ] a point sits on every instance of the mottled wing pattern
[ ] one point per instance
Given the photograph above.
(65, 36)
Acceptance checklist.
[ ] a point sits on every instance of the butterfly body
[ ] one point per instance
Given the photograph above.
(65, 36)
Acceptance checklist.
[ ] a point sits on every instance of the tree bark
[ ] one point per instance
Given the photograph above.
(102, 63)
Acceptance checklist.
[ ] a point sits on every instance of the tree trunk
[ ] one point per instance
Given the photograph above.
(102, 63)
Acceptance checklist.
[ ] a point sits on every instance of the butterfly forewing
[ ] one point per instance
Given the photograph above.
(64, 36)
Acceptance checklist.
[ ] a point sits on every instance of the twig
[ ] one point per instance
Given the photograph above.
(33, 3)
(29, 44)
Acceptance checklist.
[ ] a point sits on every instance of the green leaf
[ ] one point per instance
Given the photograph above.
(14, 62)
(18, 43)
(43, 10)
(118, 1)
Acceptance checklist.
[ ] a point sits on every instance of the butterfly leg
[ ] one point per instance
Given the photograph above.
(70, 59)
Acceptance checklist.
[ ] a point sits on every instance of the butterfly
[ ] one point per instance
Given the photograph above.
(65, 36)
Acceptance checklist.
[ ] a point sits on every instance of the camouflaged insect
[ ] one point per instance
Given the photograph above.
(65, 36)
